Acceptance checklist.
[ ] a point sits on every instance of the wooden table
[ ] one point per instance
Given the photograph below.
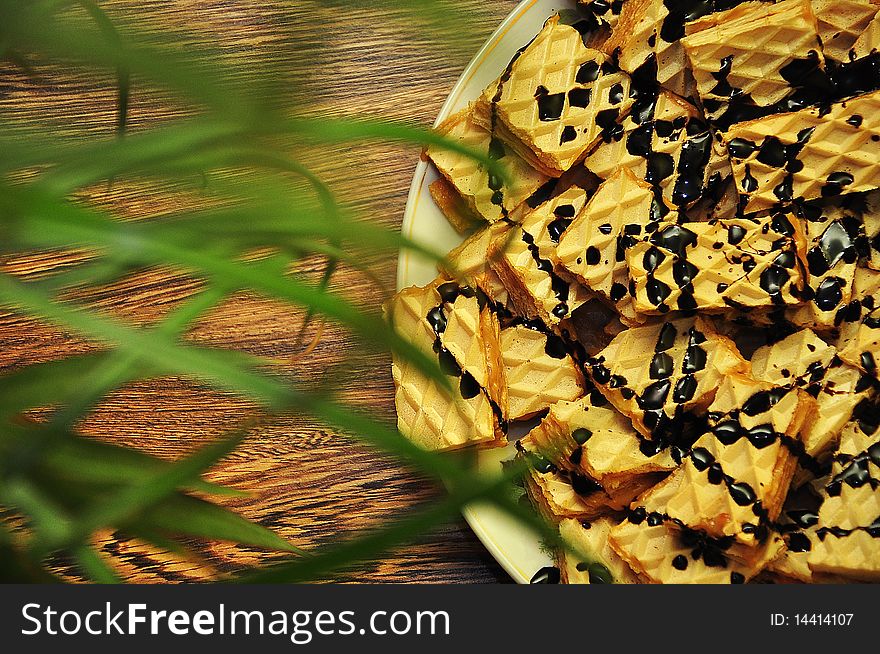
(307, 483)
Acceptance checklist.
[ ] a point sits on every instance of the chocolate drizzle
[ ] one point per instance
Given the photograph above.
(712, 551)
(676, 430)
(437, 319)
(559, 286)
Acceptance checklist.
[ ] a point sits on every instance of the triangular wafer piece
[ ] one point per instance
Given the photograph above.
(739, 263)
(660, 552)
(806, 361)
(842, 27)
(538, 369)
(556, 497)
(472, 180)
(446, 319)
(737, 475)
(457, 212)
(812, 153)
(561, 493)
(860, 342)
(596, 441)
(522, 259)
(559, 97)
(590, 559)
(791, 564)
(660, 375)
(750, 58)
(614, 219)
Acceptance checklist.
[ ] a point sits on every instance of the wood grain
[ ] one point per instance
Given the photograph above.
(311, 485)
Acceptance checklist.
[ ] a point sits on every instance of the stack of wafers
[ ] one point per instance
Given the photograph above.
(667, 296)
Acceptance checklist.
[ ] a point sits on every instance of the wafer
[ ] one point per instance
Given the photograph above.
(596, 441)
(752, 57)
(739, 263)
(861, 347)
(592, 247)
(442, 319)
(469, 262)
(589, 558)
(806, 361)
(522, 260)
(867, 42)
(669, 146)
(646, 40)
(842, 24)
(602, 10)
(539, 370)
(835, 240)
(849, 518)
(736, 476)
(661, 375)
(483, 194)
(559, 97)
(807, 154)
(557, 496)
(661, 552)
(453, 206)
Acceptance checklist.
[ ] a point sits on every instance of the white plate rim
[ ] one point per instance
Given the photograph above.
(484, 520)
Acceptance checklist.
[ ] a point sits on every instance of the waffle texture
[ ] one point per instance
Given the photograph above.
(807, 154)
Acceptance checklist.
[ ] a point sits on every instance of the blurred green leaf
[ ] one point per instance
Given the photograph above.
(95, 567)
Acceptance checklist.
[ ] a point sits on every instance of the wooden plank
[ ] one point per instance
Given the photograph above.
(311, 485)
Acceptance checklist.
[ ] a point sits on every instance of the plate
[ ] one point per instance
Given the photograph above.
(517, 549)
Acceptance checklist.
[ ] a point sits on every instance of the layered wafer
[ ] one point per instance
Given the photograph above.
(750, 58)
(848, 523)
(539, 370)
(836, 239)
(469, 262)
(803, 155)
(806, 361)
(559, 97)
(597, 441)
(663, 375)
(485, 195)
(557, 495)
(445, 321)
(667, 144)
(588, 557)
(647, 42)
(858, 342)
(842, 24)
(661, 552)
(522, 260)
(592, 248)
(739, 263)
(736, 476)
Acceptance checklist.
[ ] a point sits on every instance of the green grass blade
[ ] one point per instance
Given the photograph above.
(50, 522)
(189, 516)
(45, 384)
(123, 76)
(94, 463)
(380, 541)
(94, 566)
(230, 275)
(140, 496)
